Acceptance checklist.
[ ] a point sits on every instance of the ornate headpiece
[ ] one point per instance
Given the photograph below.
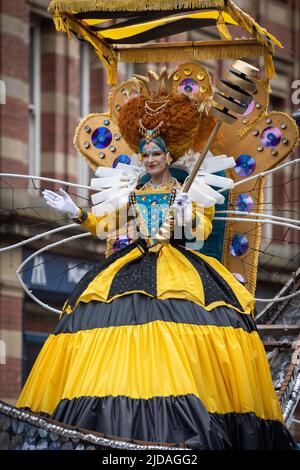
(178, 116)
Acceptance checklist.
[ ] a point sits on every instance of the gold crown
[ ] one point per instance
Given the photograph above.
(157, 85)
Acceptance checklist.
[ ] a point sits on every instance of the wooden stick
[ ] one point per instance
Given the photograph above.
(197, 166)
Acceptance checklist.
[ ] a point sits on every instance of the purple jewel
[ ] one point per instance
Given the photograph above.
(239, 278)
(101, 137)
(122, 159)
(239, 245)
(188, 85)
(249, 109)
(244, 203)
(121, 242)
(245, 165)
(271, 136)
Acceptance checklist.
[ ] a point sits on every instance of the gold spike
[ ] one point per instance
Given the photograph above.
(156, 85)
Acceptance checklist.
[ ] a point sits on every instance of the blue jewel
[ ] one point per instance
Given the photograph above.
(122, 159)
(239, 278)
(271, 136)
(239, 245)
(244, 203)
(245, 165)
(101, 137)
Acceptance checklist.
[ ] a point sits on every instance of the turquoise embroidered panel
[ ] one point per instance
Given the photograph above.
(213, 246)
(153, 208)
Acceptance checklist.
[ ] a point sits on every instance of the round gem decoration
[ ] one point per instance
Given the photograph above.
(239, 278)
(244, 203)
(102, 155)
(188, 85)
(200, 76)
(188, 71)
(270, 136)
(87, 128)
(122, 159)
(107, 122)
(112, 148)
(101, 137)
(239, 245)
(124, 91)
(118, 107)
(285, 140)
(283, 125)
(86, 145)
(117, 136)
(245, 165)
(176, 76)
(203, 89)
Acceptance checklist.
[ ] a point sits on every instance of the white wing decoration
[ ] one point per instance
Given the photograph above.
(201, 191)
(114, 186)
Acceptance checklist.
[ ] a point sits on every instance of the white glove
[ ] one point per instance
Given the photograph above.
(183, 209)
(63, 203)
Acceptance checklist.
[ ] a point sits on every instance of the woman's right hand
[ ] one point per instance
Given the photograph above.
(62, 203)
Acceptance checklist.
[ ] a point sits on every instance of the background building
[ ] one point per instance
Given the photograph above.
(50, 84)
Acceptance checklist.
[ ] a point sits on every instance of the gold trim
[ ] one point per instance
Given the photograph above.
(222, 28)
(130, 5)
(68, 24)
(188, 50)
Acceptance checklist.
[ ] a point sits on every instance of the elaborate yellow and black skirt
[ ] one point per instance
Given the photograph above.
(160, 347)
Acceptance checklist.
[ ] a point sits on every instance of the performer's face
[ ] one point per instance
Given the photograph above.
(154, 158)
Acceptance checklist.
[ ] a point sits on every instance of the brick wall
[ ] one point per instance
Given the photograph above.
(14, 18)
(11, 310)
(60, 103)
(14, 42)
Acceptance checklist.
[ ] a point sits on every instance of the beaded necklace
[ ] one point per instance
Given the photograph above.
(169, 184)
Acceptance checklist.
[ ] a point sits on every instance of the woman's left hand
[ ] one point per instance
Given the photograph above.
(183, 208)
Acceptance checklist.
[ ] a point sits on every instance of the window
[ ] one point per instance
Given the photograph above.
(34, 108)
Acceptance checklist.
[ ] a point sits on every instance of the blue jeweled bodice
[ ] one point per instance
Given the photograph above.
(153, 207)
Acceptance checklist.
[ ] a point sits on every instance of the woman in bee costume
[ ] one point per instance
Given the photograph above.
(158, 342)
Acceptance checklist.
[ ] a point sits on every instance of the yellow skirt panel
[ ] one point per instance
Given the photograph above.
(98, 288)
(244, 297)
(176, 278)
(225, 367)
